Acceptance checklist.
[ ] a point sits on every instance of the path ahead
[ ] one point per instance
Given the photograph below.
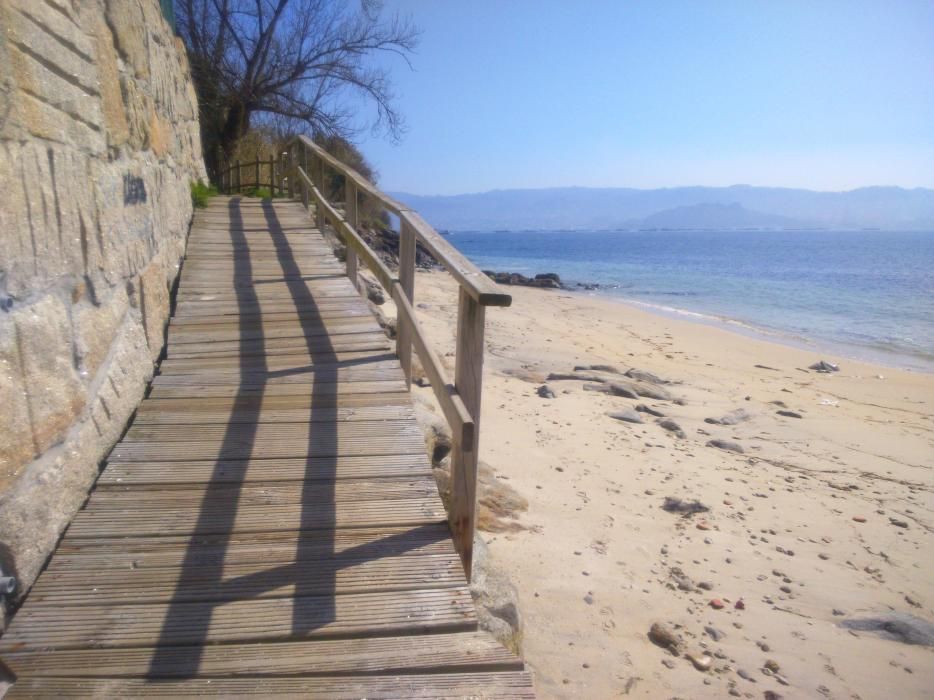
(269, 524)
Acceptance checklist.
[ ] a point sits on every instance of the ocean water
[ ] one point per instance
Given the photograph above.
(862, 294)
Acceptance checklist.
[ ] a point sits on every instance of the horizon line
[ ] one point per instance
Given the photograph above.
(666, 187)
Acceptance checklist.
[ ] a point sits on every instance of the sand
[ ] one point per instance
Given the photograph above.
(823, 518)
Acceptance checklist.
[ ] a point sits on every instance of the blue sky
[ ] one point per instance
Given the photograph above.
(521, 93)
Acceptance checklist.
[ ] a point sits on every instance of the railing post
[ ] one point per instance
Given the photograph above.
(468, 380)
(272, 174)
(239, 176)
(256, 173)
(305, 193)
(318, 178)
(350, 216)
(407, 281)
(293, 175)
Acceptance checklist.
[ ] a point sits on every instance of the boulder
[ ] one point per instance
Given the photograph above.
(824, 366)
(899, 627)
(671, 426)
(740, 415)
(727, 445)
(645, 376)
(613, 390)
(545, 392)
(610, 369)
(495, 598)
(626, 416)
(642, 408)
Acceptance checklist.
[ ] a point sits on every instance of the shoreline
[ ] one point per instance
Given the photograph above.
(826, 516)
(889, 359)
(844, 351)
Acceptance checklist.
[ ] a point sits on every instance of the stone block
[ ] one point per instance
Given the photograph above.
(37, 508)
(16, 445)
(114, 111)
(96, 326)
(125, 19)
(155, 305)
(56, 394)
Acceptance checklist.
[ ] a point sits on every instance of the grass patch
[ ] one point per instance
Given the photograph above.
(201, 193)
(261, 192)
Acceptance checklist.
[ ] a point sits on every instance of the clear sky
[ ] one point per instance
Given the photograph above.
(539, 93)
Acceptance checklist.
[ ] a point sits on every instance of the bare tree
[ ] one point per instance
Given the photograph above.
(292, 62)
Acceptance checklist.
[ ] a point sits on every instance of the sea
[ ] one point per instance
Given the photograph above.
(867, 295)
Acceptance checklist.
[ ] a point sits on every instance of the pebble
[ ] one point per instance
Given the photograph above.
(859, 519)
(824, 556)
(772, 695)
(763, 646)
(785, 589)
(716, 604)
(838, 612)
(588, 599)
(668, 663)
(772, 665)
(898, 523)
(707, 586)
(701, 662)
(714, 633)
(703, 525)
(664, 637)
(745, 675)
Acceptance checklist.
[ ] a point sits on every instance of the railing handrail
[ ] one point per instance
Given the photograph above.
(460, 399)
(471, 278)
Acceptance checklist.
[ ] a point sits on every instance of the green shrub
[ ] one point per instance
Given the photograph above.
(201, 193)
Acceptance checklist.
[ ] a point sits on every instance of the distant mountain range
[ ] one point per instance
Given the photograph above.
(737, 207)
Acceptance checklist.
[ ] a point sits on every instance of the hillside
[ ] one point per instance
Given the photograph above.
(611, 208)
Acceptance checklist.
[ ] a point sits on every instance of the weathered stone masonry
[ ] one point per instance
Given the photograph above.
(99, 143)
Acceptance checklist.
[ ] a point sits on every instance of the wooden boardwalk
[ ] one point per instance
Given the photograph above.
(269, 524)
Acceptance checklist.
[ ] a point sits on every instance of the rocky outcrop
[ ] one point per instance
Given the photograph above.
(99, 142)
(546, 280)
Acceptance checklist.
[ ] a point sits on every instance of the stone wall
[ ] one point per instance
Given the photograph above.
(99, 143)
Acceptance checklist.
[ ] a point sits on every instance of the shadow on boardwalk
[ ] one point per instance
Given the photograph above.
(314, 602)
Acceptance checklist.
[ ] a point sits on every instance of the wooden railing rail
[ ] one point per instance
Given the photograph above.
(232, 179)
(305, 173)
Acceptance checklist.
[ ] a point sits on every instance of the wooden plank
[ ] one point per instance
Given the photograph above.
(240, 581)
(468, 378)
(119, 496)
(265, 434)
(217, 519)
(266, 619)
(319, 386)
(407, 282)
(456, 413)
(505, 685)
(262, 470)
(437, 653)
(350, 216)
(274, 408)
(270, 548)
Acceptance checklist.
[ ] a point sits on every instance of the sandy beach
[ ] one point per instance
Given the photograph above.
(825, 516)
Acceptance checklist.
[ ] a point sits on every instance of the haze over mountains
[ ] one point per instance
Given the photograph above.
(739, 206)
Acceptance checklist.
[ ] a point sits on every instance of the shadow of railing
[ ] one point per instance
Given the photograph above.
(189, 615)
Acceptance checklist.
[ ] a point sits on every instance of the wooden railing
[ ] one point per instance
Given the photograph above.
(240, 175)
(305, 172)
